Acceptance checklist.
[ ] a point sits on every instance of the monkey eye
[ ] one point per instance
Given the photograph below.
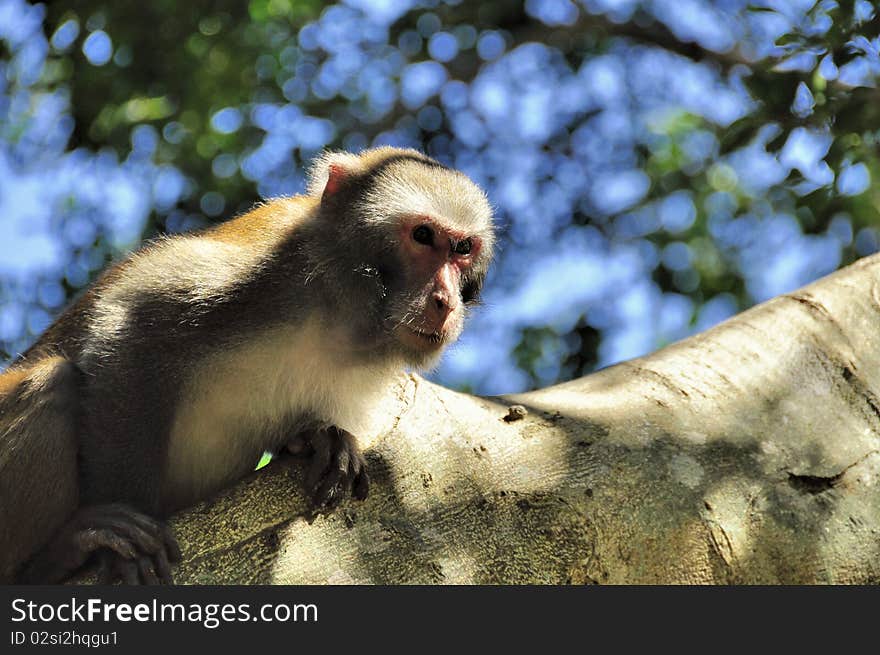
(463, 247)
(424, 235)
(470, 291)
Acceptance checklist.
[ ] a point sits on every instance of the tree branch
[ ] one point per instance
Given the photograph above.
(746, 454)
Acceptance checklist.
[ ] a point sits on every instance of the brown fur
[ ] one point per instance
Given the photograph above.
(172, 374)
(38, 470)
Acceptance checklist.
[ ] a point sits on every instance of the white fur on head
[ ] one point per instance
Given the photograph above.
(408, 188)
(319, 171)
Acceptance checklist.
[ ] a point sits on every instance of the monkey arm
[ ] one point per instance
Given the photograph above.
(746, 454)
(38, 457)
(43, 536)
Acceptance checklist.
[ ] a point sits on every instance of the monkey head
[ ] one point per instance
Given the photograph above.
(415, 238)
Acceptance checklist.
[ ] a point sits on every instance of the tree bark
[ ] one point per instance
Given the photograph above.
(746, 454)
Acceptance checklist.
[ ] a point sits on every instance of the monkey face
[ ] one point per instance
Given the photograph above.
(418, 237)
(442, 268)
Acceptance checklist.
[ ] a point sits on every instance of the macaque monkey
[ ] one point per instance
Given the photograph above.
(172, 374)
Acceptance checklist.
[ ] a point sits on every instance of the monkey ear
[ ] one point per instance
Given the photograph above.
(330, 171)
(336, 175)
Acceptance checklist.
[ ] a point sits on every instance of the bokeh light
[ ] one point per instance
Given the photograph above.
(656, 166)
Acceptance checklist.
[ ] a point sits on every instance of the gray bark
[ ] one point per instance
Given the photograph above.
(746, 454)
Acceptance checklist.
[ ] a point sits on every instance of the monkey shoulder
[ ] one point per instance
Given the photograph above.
(266, 223)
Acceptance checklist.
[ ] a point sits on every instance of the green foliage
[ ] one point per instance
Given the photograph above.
(174, 66)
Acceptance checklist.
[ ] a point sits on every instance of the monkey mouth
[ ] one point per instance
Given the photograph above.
(432, 337)
(423, 340)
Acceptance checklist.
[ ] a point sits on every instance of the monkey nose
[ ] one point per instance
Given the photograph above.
(443, 307)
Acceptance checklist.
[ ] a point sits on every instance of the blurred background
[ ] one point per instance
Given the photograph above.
(657, 166)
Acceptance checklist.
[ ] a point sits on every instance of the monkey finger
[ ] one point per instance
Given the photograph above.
(163, 567)
(315, 473)
(325, 489)
(353, 455)
(172, 548)
(127, 570)
(105, 570)
(90, 540)
(361, 485)
(137, 525)
(145, 571)
(357, 463)
(333, 500)
(144, 540)
(343, 461)
(319, 464)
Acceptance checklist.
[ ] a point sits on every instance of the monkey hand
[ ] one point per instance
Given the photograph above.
(130, 546)
(337, 466)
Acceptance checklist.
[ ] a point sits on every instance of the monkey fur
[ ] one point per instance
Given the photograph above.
(172, 374)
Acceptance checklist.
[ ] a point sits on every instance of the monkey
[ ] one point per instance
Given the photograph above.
(171, 375)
